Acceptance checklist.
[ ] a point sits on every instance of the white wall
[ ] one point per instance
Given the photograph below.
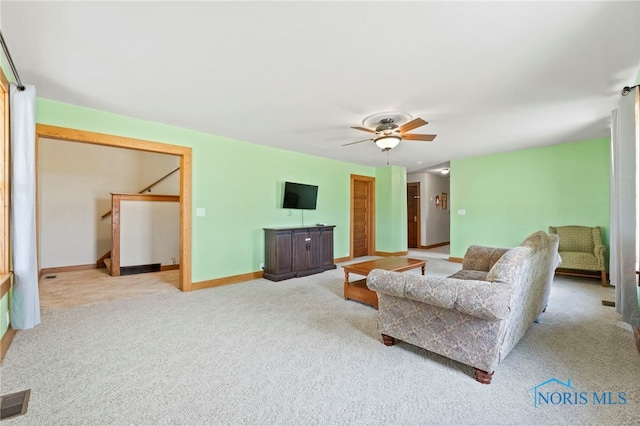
(74, 189)
(149, 232)
(435, 225)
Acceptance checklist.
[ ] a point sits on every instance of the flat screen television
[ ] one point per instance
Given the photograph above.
(299, 196)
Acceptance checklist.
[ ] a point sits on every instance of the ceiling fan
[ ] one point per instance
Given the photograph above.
(388, 134)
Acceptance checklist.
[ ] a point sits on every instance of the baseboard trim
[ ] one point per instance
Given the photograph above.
(456, 259)
(234, 279)
(47, 271)
(169, 267)
(430, 246)
(388, 254)
(7, 338)
(342, 259)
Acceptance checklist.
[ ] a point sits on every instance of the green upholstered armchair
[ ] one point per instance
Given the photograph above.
(581, 249)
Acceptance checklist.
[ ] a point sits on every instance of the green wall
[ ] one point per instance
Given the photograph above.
(238, 183)
(391, 209)
(511, 195)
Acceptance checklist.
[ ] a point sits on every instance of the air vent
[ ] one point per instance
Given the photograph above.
(14, 404)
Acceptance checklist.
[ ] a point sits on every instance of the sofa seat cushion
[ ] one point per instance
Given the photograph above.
(470, 274)
(579, 260)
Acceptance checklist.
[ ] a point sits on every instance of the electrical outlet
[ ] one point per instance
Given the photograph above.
(173, 260)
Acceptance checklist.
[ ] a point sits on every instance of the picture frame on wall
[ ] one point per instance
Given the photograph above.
(443, 200)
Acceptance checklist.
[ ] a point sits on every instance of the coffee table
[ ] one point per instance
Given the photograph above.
(358, 290)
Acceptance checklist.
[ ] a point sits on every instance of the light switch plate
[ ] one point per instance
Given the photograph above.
(200, 212)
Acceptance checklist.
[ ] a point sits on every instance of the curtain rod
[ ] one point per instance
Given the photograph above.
(627, 89)
(11, 64)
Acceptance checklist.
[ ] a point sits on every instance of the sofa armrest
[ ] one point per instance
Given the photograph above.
(480, 299)
(481, 258)
(434, 291)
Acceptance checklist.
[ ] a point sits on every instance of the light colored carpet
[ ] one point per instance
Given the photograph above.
(295, 352)
(78, 288)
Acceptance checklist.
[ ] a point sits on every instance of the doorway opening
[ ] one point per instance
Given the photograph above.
(184, 155)
(413, 215)
(363, 189)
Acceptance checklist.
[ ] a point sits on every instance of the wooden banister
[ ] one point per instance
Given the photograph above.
(147, 188)
(115, 222)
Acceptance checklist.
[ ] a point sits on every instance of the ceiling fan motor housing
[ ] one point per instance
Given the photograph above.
(387, 126)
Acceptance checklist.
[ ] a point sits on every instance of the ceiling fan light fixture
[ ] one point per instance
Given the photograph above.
(387, 142)
(445, 171)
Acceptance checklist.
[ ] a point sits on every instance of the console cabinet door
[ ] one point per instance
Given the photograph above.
(278, 262)
(315, 249)
(327, 249)
(300, 250)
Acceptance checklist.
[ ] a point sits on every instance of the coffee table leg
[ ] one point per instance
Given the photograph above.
(346, 285)
(422, 268)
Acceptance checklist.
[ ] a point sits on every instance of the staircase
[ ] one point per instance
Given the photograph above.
(105, 262)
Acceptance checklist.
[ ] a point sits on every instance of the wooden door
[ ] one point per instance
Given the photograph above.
(362, 215)
(413, 215)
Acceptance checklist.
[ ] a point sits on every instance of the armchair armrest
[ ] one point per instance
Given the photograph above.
(598, 247)
(598, 251)
(480, 299)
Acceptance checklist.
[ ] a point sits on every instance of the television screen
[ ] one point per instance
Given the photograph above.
(299, 196)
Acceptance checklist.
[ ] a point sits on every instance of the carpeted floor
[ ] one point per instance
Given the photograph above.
(67, 289)
(295, 352)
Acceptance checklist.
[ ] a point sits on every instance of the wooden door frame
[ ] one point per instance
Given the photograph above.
(419, 219)
(371, 209)
(184, 153)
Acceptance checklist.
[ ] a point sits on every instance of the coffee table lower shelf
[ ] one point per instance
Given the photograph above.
(358, 290)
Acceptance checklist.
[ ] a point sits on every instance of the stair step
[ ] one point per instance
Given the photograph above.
(107, 263)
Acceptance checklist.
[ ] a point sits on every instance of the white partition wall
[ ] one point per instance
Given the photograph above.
(149, 232)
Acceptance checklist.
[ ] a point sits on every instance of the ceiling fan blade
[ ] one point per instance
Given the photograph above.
(352, 143)
(364, 129)
(415, 123)
(427, 138)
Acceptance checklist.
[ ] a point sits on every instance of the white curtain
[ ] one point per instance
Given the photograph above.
(624, 172)
(25, 300)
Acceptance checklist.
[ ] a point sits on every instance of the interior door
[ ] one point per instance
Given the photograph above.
(362, 215)
(413, 215)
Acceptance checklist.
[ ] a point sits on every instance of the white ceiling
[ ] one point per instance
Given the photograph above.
(488, 77)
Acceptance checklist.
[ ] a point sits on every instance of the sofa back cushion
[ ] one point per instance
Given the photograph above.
(511, 266)
(481, 258)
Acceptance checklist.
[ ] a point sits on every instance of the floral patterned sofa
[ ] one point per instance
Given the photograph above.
(477, 315)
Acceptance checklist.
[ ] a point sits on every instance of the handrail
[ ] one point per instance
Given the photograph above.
(147, 188)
